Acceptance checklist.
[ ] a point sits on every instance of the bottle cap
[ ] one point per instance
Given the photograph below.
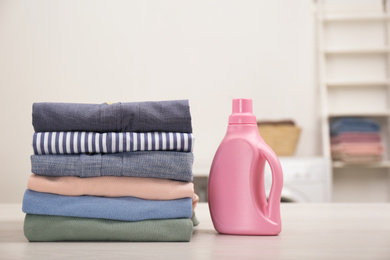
(242, 112)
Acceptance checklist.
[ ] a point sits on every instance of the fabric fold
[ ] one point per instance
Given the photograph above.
(41, 228)
(358, 148)
(351, 124)
(93, 142)
(153, 164)
(112, 186)
(118, 208)
(161, 116)
(356, 140)
(356, 137)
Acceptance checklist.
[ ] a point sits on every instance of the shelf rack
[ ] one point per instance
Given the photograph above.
(355, 17)
(357, 51)
(326, 84)
(342, 165)
(361, 83)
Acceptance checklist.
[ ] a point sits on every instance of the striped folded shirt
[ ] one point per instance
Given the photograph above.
(92, 142)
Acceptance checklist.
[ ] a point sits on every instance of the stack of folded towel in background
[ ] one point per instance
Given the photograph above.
(356, 140)
(111, 172)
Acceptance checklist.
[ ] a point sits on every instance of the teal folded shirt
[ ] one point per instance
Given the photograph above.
(118, 208)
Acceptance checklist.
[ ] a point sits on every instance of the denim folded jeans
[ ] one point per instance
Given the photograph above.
(161, 116)
(154, 164)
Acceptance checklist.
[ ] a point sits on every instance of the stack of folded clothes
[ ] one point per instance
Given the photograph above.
(111, 172)
(356, 140)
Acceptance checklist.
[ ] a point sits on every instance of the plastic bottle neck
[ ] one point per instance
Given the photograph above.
(242, 112)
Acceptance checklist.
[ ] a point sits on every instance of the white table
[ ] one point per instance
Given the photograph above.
(310, 231)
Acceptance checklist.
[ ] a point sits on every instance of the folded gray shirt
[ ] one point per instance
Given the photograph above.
(153, 164)
(161, 116)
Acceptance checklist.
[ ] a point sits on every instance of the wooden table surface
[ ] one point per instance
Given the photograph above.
(310, 231)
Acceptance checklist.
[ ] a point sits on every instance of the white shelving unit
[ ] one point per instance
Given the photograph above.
(355, 84)
(372, 91)
(377, 114)
(355, 17)
(383, 164)
(353, 51)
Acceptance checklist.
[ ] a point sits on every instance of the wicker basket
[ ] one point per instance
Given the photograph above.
(282, 138)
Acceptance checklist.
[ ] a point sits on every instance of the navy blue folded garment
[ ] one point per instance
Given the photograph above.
(154, 164)
(352, 124)
(115, 208)
(161, 116)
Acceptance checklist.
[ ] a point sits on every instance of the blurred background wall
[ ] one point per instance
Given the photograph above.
(209, 52)
(95, 51)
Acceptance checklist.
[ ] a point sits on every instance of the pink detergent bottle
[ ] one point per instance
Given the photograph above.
(236, 192)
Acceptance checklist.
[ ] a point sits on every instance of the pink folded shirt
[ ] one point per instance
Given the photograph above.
(358, 148)
(356, 137)
(114, 186)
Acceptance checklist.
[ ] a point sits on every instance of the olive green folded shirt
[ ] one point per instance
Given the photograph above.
(46, 228)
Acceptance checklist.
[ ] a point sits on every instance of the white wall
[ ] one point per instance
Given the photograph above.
(121, 51)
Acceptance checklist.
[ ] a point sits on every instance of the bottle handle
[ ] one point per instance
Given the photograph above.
(273, 205)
